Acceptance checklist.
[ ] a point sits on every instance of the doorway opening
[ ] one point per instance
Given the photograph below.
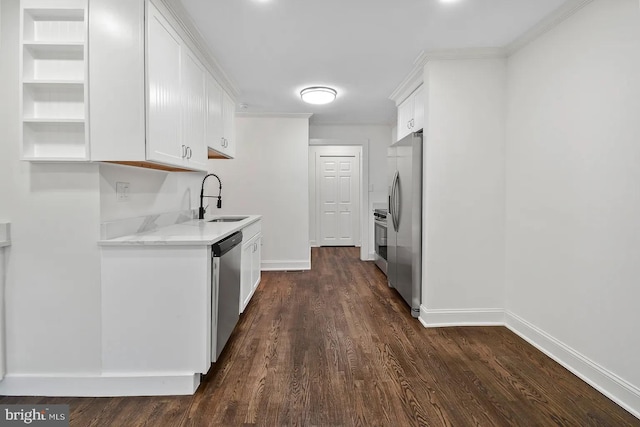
(337, 194)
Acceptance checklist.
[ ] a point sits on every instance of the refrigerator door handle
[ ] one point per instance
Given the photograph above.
(394, 201)
(391, 188)
(397, 208)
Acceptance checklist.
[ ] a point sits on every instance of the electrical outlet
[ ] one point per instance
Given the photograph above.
(122, 191)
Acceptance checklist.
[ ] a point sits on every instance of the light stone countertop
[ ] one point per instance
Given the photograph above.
(191, 232)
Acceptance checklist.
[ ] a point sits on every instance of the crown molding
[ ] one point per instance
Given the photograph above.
(548, 23)
(248, 114)
(389, 124)
(415, 77)
(411, 82)
(466, 53)
(180, 15)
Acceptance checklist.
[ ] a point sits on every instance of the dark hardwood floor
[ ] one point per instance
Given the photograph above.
(336, 347)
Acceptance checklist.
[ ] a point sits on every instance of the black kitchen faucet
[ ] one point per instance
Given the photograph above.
(202, 196)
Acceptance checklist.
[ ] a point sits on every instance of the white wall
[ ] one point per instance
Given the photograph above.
(573, 204)
(464, 189)
(269, 177)
(53, 272)
(150, 191)
(379, 139)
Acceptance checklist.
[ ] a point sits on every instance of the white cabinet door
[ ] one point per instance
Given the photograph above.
(245, 274)
(164, 137)
(256, 263)
(214, 115)
(411, 114)
(228, 120)
(250, 262)
(405, 116)
(221, 111)
(193, 111)
(418, 109)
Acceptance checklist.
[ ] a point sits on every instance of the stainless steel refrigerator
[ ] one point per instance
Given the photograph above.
(404, 222)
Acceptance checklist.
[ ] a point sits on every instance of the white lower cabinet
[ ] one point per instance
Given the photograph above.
(156, 310)
(250, 264)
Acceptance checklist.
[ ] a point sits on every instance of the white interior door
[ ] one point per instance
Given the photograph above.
(339, 201)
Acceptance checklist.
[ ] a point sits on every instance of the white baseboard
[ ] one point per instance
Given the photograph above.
(603, 380)
(285, 265)
(465, 317)
(99, 386)
(606, 382)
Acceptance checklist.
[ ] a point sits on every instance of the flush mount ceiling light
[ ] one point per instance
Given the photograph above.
(318, 95)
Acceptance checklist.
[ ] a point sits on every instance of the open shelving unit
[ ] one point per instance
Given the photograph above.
(54, 80)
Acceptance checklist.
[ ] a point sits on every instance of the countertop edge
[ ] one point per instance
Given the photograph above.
(141, 240)
(4, 243)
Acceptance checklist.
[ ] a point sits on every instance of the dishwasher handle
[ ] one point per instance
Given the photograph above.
(225, 245)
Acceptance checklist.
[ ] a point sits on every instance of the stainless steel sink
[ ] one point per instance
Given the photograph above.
(229, 219)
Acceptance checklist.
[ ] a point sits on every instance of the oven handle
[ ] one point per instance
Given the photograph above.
(380, 222)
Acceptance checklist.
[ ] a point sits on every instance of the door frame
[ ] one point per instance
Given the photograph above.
(338, 148)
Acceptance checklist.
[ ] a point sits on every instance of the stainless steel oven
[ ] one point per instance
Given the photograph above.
(380, 237)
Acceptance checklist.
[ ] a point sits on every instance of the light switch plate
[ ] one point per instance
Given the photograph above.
(122, 191)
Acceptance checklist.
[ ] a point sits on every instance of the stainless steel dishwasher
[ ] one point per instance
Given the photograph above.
(225, 292)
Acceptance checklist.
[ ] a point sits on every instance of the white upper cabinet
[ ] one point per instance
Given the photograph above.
(117, 80)
(221, 111)
(150, 92)
(194, 112)
(214, 116)
(405, 117)
(228, 124)
(164, 92)
(411, 114)
(53, 70)
(418, 108)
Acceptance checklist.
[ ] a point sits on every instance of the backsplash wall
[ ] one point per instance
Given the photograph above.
(150, 191)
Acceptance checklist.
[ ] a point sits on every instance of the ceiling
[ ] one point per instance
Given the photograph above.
(271, 49)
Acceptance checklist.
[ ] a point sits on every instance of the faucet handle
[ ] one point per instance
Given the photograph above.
(202, 212)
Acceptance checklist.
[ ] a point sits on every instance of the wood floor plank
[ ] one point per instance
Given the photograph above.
(335, 346)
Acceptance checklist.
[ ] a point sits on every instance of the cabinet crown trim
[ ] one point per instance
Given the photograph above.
(188, 26)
